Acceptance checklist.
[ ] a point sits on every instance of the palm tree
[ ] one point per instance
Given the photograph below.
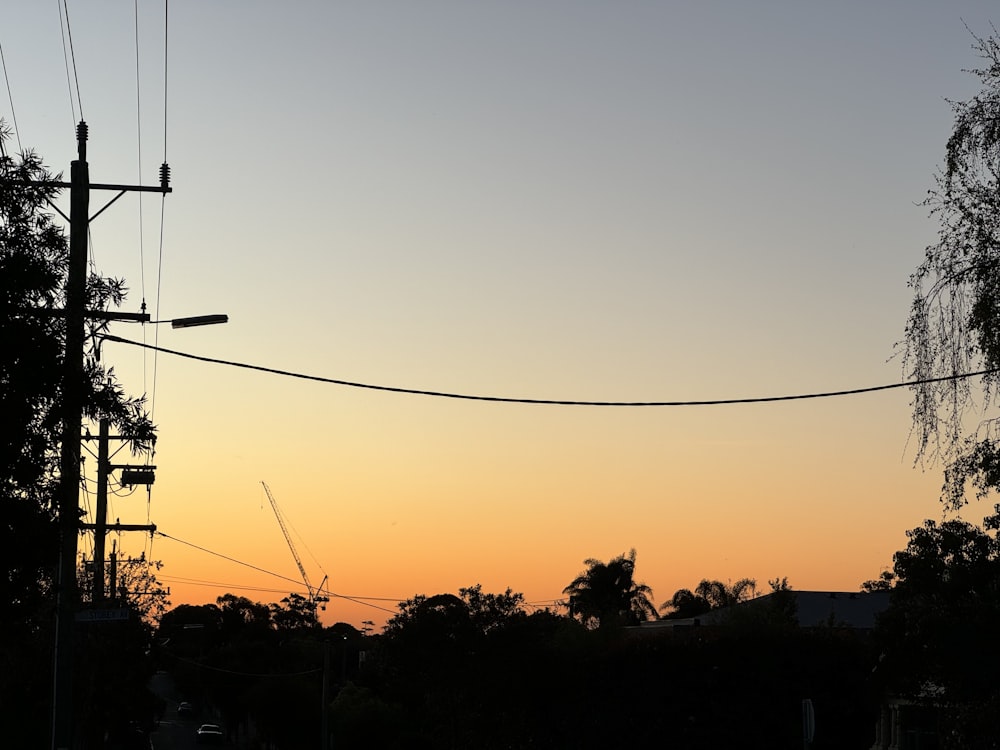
(720, 595)
(685, 603)
(709, 595)
(606, 594)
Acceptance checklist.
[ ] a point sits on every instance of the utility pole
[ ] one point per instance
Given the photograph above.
(69, 478)
(102, 514)
(113, 573)
(142, 475)
(76, 314)
(324, 721)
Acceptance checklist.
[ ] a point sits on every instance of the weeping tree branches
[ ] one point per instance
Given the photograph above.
(954, 322)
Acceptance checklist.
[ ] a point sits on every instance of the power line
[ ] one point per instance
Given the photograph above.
(230, 559)
(166, 49)
(265, 589)
(138, 135)
(10, 98)
(62, 37)
(356, 600)
(553, 402)
(220, 584)
(64, 10)
(164, 175)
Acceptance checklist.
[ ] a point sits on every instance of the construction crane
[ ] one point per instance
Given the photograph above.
(315, 594)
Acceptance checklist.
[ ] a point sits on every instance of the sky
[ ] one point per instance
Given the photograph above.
(570, 201)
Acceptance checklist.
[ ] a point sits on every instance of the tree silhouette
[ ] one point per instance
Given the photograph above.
(947, 582)
(720, 595)
(685, 603)
(954, 322)
(938, 636)
(453, 622)
(709, 595)
(34, 257)
(607, 595)
(295, 612)
(243, 619)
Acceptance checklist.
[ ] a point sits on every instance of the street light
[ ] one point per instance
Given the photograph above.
(127, 317)
(198, 320)
(191, 322)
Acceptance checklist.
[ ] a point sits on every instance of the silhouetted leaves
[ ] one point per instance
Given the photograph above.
(954, 322)
(606, 594)
(34, 257)
(944, 612)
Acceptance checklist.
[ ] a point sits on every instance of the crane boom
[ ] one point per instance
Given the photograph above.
(291, 545)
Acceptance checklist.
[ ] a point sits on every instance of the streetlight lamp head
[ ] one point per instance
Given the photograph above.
(199, 320)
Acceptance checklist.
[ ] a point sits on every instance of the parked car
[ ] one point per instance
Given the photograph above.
(210, 734)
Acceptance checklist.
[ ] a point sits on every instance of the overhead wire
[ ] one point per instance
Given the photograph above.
(166, 51)
(356, 600)
(67, 31)
(142, 233)
(217, 584)
(150, 570)
(87, 507)
(163, 197)
(138, 136)
(230, 559)
(147, 545)
(69, 85)
(555, 402)
(534, 605)
(13, 114)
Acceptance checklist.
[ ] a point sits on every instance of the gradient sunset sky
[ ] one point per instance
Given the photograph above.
(579, 201)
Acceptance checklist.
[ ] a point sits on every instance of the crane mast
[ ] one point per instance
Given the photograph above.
(314, 593)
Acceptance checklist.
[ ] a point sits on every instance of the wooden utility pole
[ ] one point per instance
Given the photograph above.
(101, 514)
(113, 573)
(143, 475)
(76, 315)
(69, 478)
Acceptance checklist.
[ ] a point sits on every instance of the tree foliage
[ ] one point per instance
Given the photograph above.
(607, 594)
(241, 618)
(295, 612)
(709, 595)
(33, 265)
(954, 323)
(34, 258)
(472, 609)
(721, 595)
(474, 669)
(685, 603)
(944, 611)
(884, 582)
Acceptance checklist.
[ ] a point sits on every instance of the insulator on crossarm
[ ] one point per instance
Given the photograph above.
(81, 140)
(164, 175)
